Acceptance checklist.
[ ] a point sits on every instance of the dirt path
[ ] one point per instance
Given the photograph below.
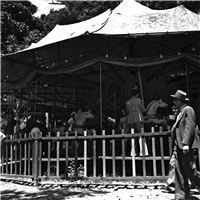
(17, 191)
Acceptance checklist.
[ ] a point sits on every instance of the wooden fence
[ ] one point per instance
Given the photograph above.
(94, 156)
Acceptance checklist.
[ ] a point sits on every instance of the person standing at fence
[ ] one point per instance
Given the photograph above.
(170, 186)
(2, 138)
(123, 120)
(135, 119)
(185, 141)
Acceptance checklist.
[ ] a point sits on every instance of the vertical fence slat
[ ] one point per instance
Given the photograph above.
(66, 154)
(170, 142)
(20, 155)
(11, 156)
(85, 155)
(123, 157)
(104, 154)
(197, 129)
(7, 145)
(94, 156)
(40, 158)
(49, 156)
(76, 156)
(58, 155)
(133, 154)
(113, 155)
(143, 153)
(16, 150)
(25, 155)
(154, 153)
(29, 155)
(35, 162)
(33, 156)
(162, 153)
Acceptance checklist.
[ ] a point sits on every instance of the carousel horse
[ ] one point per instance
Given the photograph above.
(152, 116)
(79, 124)
(154, 119)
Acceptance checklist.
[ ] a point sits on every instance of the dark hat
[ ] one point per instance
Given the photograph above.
(134, 92)
(180, 95)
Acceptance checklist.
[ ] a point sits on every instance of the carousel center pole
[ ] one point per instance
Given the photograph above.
(35, 105)
(187, 80)
(140, 82)
(73, 91)
(100, 97)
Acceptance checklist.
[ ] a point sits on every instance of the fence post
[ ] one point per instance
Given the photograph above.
(198, 136)
(36, 135)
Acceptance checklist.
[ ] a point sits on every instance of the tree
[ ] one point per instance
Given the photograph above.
(18, 26)
(75, 11)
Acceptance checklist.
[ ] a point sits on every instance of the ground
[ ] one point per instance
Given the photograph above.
(17, 191)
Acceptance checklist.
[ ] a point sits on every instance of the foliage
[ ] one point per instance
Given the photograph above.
(71, 170)
(75, 11)
(19, 27)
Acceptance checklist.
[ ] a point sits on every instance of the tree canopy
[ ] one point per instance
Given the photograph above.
(19, 28)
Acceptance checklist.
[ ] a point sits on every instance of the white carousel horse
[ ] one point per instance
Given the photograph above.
(153, 118)
(152, 115)
(79, 121)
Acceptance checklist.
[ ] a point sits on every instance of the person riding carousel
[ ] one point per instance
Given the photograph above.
(135, 119)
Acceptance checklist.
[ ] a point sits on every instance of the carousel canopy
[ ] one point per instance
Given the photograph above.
(130, 36)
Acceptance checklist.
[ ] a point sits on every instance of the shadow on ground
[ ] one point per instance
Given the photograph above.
(61, 193)
(193, 194)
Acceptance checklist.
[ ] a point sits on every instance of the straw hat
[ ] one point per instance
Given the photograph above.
(180, 95)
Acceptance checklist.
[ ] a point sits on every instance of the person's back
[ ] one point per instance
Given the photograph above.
(135, 118)
(135, 109)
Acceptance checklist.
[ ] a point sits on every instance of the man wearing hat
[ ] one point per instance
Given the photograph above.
(185, 141)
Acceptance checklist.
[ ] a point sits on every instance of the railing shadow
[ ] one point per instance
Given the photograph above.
(46, 193)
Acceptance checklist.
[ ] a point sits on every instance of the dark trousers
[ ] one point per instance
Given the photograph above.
(185, 168)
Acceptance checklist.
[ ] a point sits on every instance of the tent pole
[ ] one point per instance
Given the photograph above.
(27, 103)
(54, 102)
(187, 80)
(140, 82)
(100, 96)
(115, 102)
(35, 104)
(73, 90)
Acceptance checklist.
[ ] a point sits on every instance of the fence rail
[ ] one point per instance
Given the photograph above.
(88, 156)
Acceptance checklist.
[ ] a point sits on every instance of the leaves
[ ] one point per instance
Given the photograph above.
(17, 22)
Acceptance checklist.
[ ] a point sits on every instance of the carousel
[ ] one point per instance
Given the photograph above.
(85, 72)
